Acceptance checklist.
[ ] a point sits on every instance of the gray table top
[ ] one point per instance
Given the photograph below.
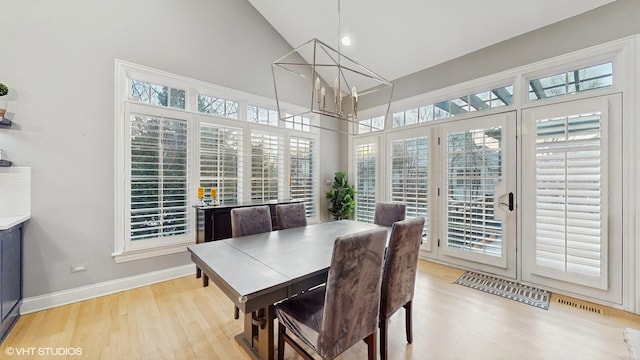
(258, 265)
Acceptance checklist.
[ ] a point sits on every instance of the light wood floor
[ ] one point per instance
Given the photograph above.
(179, 319)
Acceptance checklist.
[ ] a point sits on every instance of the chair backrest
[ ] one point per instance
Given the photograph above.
(388, 213)
(400, 266)
(291, 215)
(352, 295)
(250, 220)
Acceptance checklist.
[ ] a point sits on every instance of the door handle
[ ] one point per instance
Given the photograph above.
(510, 204)
(510, 201)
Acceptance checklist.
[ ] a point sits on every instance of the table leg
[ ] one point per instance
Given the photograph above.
(265, 341)
(259, 340)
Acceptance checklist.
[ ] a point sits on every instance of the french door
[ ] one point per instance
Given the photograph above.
(477, 193)
(572, 197)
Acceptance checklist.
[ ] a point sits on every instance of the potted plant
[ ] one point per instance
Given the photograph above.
(4, 90)
(342, 197)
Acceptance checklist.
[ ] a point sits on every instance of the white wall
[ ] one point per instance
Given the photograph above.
(57, 57)
(610, 22)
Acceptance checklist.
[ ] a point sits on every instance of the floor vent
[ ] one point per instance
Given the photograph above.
(579, 304)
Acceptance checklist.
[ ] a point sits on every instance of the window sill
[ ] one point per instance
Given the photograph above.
(139, 254)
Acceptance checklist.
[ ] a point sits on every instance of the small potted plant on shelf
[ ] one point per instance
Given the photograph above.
(4, 90)
(342, 197)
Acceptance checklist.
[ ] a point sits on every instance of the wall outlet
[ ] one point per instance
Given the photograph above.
(78, 267)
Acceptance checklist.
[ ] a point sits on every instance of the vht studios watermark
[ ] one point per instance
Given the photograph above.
(43, 351)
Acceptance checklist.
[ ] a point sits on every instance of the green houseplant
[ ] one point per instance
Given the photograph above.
(341, 197)
(4, 90)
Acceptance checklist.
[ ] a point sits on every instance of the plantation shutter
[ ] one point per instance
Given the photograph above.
(302, 175)
(267, 165)
(409, 176)
(159, 197)
(572, 195)
(221, 160)
(571, 226)
(365, 181)
(474, 167)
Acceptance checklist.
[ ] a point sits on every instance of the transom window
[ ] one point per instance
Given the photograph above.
(154, 94)
(483, 100)
(297, 122)
(371, 124)
(219, 107)
(262, 115)
(572, 82)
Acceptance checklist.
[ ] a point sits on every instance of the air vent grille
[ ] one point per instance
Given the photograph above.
(579, 304)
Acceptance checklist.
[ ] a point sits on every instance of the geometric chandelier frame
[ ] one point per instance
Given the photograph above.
(333, 84)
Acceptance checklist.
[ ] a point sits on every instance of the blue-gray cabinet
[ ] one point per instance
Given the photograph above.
(10, 278)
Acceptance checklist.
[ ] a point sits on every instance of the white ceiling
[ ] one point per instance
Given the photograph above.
(397, 38)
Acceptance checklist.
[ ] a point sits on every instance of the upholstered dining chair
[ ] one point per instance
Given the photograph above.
(291, 215)
(333, 318)
(248, 221)
(388, 213)
(399, 276)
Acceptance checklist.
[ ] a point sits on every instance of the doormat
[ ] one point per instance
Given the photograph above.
(507, 289)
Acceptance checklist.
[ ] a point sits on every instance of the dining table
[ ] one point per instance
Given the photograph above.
(257, 271)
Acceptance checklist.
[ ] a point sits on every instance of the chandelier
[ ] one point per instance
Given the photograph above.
(331, 83)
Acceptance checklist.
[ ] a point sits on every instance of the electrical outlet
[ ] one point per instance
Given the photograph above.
(78, 267)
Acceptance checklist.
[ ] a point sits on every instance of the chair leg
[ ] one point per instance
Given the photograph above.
(371, 345)
(383, 339)
(281, 333)
(408, 322)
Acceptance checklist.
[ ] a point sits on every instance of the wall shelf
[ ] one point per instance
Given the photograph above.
(5, 123)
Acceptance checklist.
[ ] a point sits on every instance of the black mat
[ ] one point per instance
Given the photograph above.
(507, 289)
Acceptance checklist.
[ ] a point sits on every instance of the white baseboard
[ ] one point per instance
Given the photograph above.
(58, 298)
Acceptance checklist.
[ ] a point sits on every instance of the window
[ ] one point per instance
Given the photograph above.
(218, 107)
(171, 141)
(372, 124)
(262, 115)
(158, 178)
(365, 182)
(484, 100)
(298, 122)
(221, 150)
(160, 95)
(474, 167)
(569, 193)
(302, 175)
(572, 82)
(267, 165)
(410, 176)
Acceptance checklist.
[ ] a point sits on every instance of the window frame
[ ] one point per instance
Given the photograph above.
(126, 249)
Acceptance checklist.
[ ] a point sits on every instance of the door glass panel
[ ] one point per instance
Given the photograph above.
(410, 177)
(474, 166)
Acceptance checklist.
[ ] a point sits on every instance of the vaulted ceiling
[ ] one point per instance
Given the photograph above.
(397, 38)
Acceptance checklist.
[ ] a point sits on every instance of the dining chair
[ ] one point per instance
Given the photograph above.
(399, 276)
(291, 215)
(248, 221)
(333, 318)
(388, 213)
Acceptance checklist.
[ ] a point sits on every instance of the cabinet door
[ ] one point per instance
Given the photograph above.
(11, 268)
